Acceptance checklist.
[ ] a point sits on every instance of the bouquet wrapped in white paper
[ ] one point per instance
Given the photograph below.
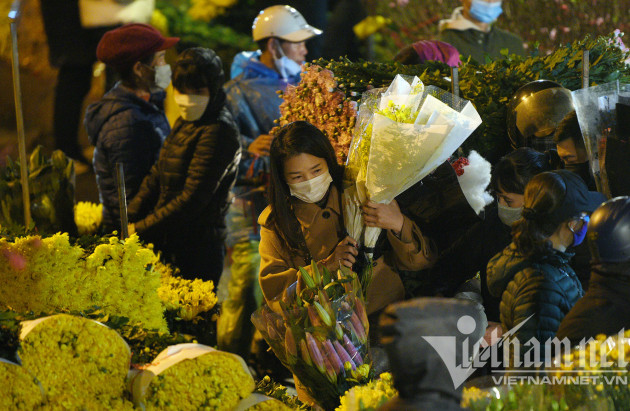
(403, 133)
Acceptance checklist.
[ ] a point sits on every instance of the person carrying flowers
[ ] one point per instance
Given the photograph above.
(304, 223)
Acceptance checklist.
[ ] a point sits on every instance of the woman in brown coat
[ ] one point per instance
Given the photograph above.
(304, 221)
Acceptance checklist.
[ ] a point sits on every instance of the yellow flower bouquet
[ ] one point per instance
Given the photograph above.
(192, 377)
(78, 361)
(370, 396)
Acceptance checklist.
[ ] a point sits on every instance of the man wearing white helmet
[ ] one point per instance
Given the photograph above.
(280, 32)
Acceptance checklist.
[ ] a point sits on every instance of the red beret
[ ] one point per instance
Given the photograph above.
(123, 46)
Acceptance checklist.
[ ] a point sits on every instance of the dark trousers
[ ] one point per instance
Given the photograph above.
(204, 261)
(73, 84)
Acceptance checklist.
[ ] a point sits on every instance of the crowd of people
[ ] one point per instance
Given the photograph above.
(525, 259)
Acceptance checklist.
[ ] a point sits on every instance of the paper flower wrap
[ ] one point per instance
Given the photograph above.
(403, 133)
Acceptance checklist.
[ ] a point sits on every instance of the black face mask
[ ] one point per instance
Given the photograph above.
(581, 169)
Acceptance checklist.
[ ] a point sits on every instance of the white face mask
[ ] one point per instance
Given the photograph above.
(313, 190)
(287, 67)
(509, 215)
(162, 76)
(191, 106)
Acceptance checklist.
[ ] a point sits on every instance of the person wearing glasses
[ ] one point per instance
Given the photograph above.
(532, 276)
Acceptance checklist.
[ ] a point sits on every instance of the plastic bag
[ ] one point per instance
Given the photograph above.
(322, 335)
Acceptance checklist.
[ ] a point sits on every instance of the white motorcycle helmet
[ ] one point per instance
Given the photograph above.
(283, 22)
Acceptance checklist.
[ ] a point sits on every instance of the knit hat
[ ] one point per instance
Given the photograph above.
(123, 46)
(577, 200)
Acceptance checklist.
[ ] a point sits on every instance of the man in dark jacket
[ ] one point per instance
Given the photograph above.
(470, 29)
(604, 309)
(128, 124)
(182, 203)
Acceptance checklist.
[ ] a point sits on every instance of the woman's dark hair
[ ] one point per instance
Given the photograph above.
(198, 68)
(127, 75)
(291, 140)
(544, 193)
(512, 173)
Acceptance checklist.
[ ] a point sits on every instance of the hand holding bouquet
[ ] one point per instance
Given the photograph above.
(322, 335)
(402, 134)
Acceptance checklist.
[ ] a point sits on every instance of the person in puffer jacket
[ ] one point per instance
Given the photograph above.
(182, 203)
(532, 275)
(128, 124)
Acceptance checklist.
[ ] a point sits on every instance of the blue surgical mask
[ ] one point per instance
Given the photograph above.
(485, 12)
(579, 235)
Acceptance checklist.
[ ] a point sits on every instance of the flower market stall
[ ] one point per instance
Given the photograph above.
(94, 322)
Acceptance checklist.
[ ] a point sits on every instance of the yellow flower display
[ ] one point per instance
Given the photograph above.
(370, 396)
(206, 10)
(49, 274)
(88, 217)
(77, 361)
(19, 390)
(189, 297)
(213, 381)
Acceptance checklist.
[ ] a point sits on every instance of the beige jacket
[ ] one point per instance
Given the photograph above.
(278, 267)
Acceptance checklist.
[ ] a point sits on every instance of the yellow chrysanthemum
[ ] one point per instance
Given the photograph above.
(19, 389)
(369, 396)
(213, 381)
(369, 26)
(190, 297)
(76, 360)
(88, 217)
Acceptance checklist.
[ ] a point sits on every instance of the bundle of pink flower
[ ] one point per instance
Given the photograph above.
(317, 99)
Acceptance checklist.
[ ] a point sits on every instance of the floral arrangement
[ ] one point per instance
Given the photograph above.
(79, 362)
(189, 298)
(88, 217)
(192, 377)
(319, 100)
(322, 334)
(370, 396)
(403, 133)
(50, 274)
(20, 391)
(488, 86)
(269, 388)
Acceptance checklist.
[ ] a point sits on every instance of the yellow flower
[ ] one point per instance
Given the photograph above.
(190, 297)
(76, 360)
(215, 380)
(19, 389)
(369, 26)
(160, 22)
(270, 405)
(88, 217)
(370, 396)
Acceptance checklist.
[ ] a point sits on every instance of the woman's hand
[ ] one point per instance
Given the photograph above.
(385, 216)
(344, 254)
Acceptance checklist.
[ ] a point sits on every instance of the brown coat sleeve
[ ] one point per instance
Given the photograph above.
(277, 269)
(412, 251)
